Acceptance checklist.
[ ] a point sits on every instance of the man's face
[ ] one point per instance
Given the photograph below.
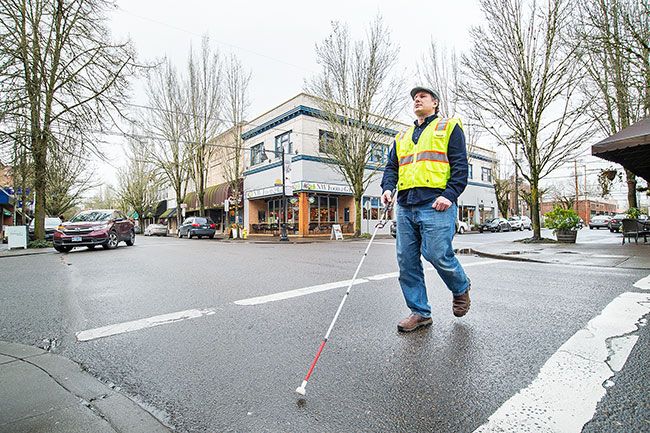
(424, 104)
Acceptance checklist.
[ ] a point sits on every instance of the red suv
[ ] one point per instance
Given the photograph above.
(105, 227)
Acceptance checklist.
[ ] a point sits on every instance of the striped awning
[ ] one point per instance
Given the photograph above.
(212, 199)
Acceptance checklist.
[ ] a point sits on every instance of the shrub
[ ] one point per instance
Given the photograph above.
(561, 219)
(633, 213)
(39, 244)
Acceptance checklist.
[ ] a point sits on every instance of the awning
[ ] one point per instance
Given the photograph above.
(6, 212)
(629, 147)
(168, 213)
(213, 198)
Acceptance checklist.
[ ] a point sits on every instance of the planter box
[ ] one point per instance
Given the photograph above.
(566, 236)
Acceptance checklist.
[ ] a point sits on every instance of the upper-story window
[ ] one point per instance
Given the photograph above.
(257, 154)
(486, 174)
(325, 140)
(283, 142)
(470, 171)
(378, 153)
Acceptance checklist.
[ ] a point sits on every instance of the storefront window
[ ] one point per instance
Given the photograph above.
(323, 209)
(375, 208)
(276, 211)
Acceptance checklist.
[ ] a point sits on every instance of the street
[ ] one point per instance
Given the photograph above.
(253, 314)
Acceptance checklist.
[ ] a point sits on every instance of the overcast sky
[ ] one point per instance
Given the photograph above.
(276, 40)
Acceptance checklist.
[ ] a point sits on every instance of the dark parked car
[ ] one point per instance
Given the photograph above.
(105, 227)
(50, 226)
(598, 222)
(495, 225)
(197, 226)
(614, 224)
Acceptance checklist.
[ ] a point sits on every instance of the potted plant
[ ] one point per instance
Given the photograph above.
(564, 222)
(633, 213)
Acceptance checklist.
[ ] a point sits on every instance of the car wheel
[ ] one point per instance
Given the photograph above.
(111, 242)
(212, 237)
(91, 247)
(62, 248)
(189, 234)
(131, 239)
(591, 228)
(611, 230)
(498, 230)
(461, 230)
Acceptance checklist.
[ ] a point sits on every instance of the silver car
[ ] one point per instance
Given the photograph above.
(156, 230)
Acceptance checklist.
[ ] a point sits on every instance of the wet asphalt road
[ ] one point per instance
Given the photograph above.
(236, 370)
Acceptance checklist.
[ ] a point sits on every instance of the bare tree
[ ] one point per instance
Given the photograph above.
(138, 182)
(203, 89)
(520, 82)
(104, 198)
(440, 70)
(236, 81)
(503, 187)
(68, 179)
(360, 97)
(60, 70)
(615, 41)
(166, 124)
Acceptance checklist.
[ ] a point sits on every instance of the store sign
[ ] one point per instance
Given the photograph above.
(263, 192)
(325, 187)
(336, 232)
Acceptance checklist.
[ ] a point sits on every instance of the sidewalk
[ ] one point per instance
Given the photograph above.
(43, 392)
(628, 256)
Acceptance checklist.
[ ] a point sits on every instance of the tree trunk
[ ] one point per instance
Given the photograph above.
(631, 189)
(357, 216)
(534, 209)
(40, 167)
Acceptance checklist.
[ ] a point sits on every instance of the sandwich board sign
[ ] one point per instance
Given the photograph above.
(336, 232)
(17, 236)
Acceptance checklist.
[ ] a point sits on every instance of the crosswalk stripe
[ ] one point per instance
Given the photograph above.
(564, 395)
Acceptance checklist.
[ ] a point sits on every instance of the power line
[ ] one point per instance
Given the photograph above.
(216, 40)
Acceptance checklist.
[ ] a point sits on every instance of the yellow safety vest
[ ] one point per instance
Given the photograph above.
(425, 164)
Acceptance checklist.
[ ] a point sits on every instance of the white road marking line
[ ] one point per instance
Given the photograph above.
(329, 286)
(298, 292)
(643, 283)
(608, 256)
(135, 325)
(564, 395)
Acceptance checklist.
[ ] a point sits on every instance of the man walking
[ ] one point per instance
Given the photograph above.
(428, 166)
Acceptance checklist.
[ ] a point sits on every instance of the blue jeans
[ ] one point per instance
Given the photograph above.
(422, 230)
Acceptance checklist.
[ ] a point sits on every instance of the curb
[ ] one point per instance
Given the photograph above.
(509, 257)
(96, 399)
(27, 252)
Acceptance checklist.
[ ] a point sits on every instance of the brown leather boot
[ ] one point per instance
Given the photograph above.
(413, 322)
(461, 303)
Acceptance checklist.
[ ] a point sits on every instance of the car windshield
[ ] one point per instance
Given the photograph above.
(91, 216)
(620, 216)
(201, 220)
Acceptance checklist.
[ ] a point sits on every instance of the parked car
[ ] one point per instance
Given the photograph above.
(495, 225)
(51, 223)
(615, 222)
(598, 222)
(520, 223)
(156, 230)
(105, 227)
(197, 226)
(461, 227)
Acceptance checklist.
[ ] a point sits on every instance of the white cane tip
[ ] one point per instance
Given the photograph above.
(301, 390)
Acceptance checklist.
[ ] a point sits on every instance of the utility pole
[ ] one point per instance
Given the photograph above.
(283, 232)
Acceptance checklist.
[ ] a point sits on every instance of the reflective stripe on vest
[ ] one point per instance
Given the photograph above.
(425, 164)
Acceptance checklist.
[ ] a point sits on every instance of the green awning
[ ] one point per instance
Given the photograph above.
(168, 213)
(6, 212)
